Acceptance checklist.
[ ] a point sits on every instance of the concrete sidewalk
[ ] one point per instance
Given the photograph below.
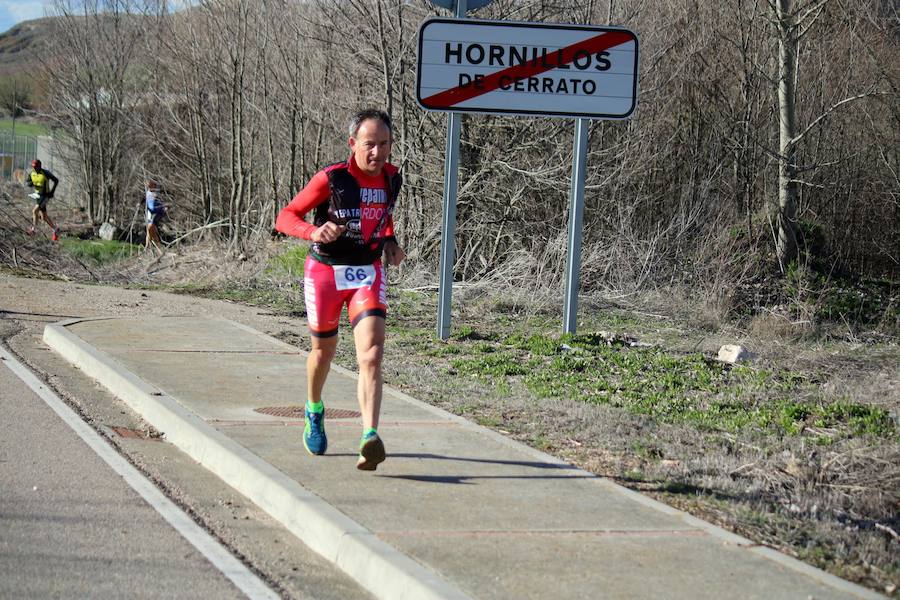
(457, 511)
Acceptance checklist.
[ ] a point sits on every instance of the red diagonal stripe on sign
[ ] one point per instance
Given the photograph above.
(592, 45)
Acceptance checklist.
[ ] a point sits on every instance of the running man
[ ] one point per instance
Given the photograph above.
(40, 180)
(156, 210)
(352, 231)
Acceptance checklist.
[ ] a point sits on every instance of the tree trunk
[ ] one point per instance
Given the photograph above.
(786, 217)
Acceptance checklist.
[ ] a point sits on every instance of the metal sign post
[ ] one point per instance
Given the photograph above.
(576, 214)
(448, 226)
(448, 222)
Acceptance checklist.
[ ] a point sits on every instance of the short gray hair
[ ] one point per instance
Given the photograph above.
(370, 113)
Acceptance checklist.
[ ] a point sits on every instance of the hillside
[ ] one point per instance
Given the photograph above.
(24, 43)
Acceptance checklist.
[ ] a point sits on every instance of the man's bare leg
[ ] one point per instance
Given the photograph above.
(47, 219)
(369, 338)
(39, 213)
(318, 363)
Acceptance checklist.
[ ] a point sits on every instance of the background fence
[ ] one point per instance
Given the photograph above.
(16, 154)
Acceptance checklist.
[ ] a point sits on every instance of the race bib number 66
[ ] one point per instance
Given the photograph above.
(351, 277)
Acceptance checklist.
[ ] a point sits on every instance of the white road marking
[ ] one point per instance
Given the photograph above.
(221, 559)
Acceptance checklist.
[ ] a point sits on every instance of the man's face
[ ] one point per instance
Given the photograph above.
(372, 146)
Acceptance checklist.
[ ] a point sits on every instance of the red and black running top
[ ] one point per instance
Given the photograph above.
(345, 195)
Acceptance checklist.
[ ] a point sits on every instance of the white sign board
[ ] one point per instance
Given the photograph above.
(466, 65)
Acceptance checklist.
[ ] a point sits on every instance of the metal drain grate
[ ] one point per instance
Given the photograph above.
(296, 412)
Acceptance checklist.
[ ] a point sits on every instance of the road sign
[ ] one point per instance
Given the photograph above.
(468, 65)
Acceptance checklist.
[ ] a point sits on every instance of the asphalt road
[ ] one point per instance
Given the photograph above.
(70, 526)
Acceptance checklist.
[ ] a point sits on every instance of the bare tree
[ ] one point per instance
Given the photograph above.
(94, 89)
(15, 97)
(794, 20)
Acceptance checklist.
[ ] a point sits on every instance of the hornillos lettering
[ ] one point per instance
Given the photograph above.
(496, 55)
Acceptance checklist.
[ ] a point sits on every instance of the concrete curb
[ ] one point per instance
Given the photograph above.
(374, 564)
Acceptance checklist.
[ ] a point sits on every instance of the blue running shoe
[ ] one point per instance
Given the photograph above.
(371, 452)
(314, 439)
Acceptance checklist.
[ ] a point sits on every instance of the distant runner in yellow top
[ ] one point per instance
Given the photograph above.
(40, 179)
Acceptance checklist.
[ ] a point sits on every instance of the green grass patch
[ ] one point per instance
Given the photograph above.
(444, 350)
(24, 127)
(499, 364)
(288, 263)
(667, 386)
(98, 252)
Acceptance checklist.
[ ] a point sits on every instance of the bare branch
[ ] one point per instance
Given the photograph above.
(815, 8)
(806, 27)
(796, 139)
